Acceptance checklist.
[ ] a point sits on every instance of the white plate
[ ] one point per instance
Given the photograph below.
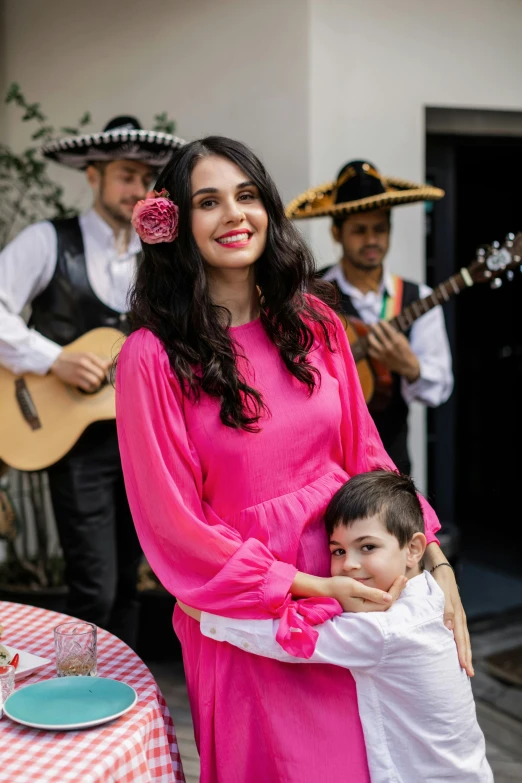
(28, 662)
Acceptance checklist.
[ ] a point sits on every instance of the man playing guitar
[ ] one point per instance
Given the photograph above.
(76, 275)
(420, 363)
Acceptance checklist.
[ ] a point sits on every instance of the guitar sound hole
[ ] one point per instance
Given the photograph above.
(26, 404)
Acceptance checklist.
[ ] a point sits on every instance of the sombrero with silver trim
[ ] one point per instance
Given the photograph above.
(122, 139)
(359, 187)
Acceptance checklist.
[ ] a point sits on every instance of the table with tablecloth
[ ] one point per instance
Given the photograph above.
(139, 747)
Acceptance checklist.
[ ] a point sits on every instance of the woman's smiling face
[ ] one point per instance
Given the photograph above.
(229, 220)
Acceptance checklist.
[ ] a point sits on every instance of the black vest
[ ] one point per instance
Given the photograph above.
(69, 307)
(391, 423)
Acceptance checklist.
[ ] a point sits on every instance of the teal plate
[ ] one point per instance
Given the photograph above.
(70, 703)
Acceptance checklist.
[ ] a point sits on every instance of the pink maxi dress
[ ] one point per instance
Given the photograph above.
(226, 518)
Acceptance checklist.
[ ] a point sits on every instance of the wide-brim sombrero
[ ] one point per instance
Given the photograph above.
(331, 198)
(122, 139)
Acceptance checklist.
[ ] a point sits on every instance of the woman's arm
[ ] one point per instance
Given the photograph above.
(454, 614)
(352, 595)
(198, 557)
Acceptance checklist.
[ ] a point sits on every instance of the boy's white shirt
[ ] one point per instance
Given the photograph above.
(415, 700)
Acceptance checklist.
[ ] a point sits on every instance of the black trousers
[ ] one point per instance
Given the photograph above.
(97, 534)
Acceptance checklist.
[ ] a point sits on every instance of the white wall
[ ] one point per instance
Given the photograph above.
(3, 69)
(374, 67)
(234, 67)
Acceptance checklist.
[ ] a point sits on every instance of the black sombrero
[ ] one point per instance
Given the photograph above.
(359, 187)
(122, 139)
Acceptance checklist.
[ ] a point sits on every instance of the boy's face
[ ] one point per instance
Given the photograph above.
(366, 551)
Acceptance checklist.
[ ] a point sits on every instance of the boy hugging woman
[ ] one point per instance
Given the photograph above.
(415, 700)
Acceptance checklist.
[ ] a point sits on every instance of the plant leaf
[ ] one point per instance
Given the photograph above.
(13, 93)
(45, 130)
(162, 124)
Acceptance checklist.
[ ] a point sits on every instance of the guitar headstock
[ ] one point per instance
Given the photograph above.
(495, 261)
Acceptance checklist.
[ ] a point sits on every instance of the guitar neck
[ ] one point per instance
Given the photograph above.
(402, 322)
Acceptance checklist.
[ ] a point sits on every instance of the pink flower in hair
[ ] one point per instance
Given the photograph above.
(155, 218)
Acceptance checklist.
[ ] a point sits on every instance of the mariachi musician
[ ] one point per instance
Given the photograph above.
(76, 274)
(419, 362)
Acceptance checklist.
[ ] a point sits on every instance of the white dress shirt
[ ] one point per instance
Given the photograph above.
(428, 339)
(415, 701)
(27, 266)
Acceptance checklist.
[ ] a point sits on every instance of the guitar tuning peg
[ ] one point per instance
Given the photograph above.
(510, 237)
(481, 253)
(496, 283)
(495, 244)
(510, 274)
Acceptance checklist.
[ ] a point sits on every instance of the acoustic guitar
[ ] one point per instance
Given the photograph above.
(491, 263)
(41, 418)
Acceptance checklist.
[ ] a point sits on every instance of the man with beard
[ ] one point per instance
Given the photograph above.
(76, 275)
(359, 202)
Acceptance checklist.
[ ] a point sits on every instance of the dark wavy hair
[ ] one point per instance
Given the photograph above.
(171, 297)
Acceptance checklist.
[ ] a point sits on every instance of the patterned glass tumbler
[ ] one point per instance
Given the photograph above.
(75, 646)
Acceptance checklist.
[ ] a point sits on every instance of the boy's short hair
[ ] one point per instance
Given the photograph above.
(379, 492)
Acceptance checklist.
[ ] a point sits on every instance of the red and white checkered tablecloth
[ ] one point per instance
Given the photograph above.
(139, 747)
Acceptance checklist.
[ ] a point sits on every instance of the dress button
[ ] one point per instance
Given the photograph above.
(245, 645)
(212, 630)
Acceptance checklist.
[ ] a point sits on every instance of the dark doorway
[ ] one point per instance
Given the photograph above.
(475, 460)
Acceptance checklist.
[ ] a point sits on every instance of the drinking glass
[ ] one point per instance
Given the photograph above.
(7, 681)
(75, 645)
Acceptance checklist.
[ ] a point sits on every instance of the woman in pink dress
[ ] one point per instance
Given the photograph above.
(239, 415)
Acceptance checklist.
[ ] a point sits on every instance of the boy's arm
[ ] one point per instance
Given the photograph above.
(354, 641)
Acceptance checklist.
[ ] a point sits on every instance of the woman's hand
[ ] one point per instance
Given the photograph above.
(356, 597)
(351, 594)
(194, 613)
(454, 615)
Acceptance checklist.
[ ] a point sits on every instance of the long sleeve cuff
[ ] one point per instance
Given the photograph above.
(225, 629)
(431, 522)
(277, 585)
(35, 354)
(295, 633)
(429, 388)
(45, 356)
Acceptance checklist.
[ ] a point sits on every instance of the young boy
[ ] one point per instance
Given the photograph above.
(415, 701)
